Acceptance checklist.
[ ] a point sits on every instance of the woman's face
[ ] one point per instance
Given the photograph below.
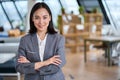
(41, 19)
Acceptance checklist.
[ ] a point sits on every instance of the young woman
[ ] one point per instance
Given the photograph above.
(41, 52)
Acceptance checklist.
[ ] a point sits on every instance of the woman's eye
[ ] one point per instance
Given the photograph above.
(36, 17)
(44, 17)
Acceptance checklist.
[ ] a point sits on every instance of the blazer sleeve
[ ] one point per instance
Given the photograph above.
(25, 68)
(52, 69)
(61, 51)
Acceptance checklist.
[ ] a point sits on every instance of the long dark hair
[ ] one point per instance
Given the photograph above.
(37, 6)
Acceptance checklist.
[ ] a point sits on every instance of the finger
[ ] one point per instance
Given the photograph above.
(22, 62)
(19, 60)
(22, 57)
(55, 63)
(58, 60)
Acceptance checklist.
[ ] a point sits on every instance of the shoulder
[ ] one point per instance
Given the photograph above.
(27, 36)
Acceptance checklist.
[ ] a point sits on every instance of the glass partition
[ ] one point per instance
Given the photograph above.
(113, 8)
(4, 21)
(12, 13)
(90, 5)
(22, 7)
(70, 6)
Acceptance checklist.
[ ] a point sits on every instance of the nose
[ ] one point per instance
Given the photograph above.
(41, 21)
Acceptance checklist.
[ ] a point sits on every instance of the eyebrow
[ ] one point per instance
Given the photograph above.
(43, 15)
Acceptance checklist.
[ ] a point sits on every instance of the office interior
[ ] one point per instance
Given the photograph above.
(91, 22)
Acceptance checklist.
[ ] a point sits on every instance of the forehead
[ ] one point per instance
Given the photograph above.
(41, 12)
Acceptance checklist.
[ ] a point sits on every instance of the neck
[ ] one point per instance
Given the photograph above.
(41, 35)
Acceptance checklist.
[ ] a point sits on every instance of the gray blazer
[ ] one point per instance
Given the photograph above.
(29, 48)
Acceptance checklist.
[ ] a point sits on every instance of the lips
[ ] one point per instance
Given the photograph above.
(40, 26)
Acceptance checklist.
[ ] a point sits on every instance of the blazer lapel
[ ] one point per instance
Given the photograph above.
(47, 46)
(35, 45)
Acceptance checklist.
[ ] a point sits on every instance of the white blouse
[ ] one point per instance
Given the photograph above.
(41, 45)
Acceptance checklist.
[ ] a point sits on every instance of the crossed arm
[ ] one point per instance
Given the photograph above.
(49, 66)
(53, 60)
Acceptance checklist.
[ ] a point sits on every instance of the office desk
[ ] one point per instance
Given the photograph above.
(109, 40)
(8, 47)
(7, 65)
(4, 57)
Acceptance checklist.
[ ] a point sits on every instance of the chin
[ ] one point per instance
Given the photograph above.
(41, 29)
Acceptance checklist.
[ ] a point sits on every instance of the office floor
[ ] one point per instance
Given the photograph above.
(95, 69)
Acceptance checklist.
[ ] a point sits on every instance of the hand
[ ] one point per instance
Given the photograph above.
(54, 60)
(23, 59)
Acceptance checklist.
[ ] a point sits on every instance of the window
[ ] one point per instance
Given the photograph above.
(13, 14)
(3, 20)
(113, 7)
(70, 6)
